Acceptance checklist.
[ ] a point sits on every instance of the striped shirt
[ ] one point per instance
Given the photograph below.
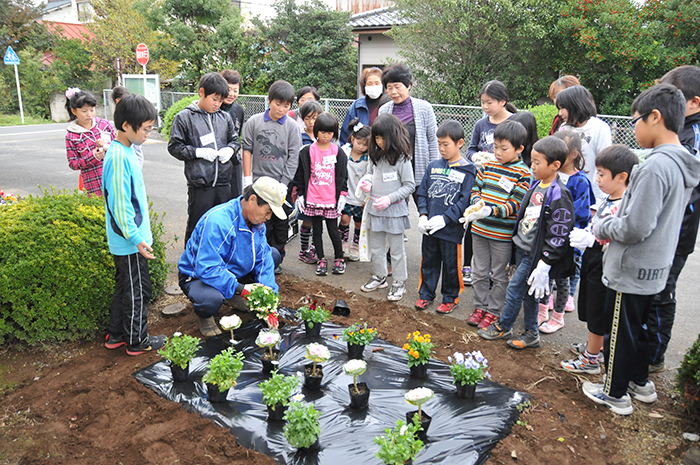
(503, 188)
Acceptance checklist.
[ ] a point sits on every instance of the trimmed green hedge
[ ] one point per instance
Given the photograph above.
(688, 379)
(56, 272)
(544, 114)
(174, 110)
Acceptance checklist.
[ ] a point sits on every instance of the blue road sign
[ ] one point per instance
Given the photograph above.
(11, 57)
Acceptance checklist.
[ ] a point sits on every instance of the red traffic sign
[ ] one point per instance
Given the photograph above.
(142, 54)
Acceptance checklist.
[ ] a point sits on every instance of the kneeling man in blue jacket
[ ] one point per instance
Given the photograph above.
(228, 251)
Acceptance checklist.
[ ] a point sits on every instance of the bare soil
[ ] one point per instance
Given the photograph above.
(78, 403)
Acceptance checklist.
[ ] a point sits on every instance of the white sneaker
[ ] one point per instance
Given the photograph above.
(595, 392)
(374, 283)
(646, 393)
(398, 289)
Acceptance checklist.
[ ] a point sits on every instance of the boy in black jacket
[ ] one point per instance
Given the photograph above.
(541, 238)
(205, 139)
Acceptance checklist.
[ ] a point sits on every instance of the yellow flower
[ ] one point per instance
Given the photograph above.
(350, 334)
(362, 331)
(415, 355)
(405, 347)
(419, 339)
(427, 336)
(409, 336)
(416, 333)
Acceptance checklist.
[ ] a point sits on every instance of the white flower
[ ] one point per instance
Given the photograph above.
(317, 353)
(355, 367)
(459, 358)
(230, 322)
(177, 334)
(419, 396)
(298, 397)
(403, 429)
(267, 338)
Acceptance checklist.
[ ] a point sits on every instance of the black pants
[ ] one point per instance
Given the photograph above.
(278, 230)
(663, 313)
(205, 299)
(200, 200)
(332, 225)
(237, 181)
(132, 292)
(592, 291)
(626, 341)
(440, 255)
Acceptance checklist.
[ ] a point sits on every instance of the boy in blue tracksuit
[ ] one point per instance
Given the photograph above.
(442, 197)
(129, 229)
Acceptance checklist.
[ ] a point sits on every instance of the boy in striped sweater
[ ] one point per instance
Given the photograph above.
(496, 196)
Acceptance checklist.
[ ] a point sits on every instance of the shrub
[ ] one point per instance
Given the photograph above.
(688, 378)
(544, 115)
(56, 272)
(174, 110)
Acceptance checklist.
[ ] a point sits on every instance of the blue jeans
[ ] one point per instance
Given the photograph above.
(516, 294)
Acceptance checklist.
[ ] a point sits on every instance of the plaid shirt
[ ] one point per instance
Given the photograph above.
(80, 147)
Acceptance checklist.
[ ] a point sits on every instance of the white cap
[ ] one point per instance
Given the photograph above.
(273, 192)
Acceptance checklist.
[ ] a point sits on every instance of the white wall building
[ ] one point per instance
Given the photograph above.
(68, 11)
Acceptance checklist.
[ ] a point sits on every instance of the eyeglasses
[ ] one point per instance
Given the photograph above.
(633, 123)
(147, 130)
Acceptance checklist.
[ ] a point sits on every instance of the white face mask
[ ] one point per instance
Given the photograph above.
(374, 92)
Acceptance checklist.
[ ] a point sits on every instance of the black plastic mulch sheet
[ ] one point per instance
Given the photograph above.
(462, 432)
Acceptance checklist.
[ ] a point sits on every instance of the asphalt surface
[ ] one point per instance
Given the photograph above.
(33, 158)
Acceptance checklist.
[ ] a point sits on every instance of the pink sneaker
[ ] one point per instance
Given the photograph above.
(554, 324)
(543, 314)
(570, 304)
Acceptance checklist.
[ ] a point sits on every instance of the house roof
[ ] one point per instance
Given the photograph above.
(381, 18)
(66, 30)
(56, 4)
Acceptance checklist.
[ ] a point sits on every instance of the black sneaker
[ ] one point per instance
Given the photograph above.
(339, 266)
(150, 344)
(114, 342)
(322, 267)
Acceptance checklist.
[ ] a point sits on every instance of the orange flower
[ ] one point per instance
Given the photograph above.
(335, 336)
(420, 339)
(405, 347)
(416, 355)
(362, 331)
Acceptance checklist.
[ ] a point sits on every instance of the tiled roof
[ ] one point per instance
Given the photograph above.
(385, 17)
(66, 30)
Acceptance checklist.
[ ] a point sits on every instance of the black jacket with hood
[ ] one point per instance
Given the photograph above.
(690, 138)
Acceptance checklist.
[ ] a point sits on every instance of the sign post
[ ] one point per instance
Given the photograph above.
(11, 58)
(142, 58)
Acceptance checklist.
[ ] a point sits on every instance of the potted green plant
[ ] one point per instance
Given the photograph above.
(359, 392)
(222, 373)
(276, 392)
(229, 323)
(179, 351)
(358, 336)
(264, 301)
(302, 428)
(418, 397)
(399, 445)
(270, 358)
(419, 348)
(313, 373)
(313, 316)
(467, 370)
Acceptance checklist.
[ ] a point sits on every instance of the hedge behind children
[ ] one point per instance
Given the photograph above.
(129, 229)
(442, 197)
(204, 138)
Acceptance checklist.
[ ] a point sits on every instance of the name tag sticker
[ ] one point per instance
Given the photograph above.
(329, 160)
(456, 176)
(393, 176)
(506, 184)
(489, 138)
(533, 212)
(207, 139)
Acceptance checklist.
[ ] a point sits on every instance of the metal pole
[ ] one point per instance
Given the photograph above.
(144, 81)
(19, 94)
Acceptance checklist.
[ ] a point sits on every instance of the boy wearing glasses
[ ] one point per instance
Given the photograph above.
(641, 240)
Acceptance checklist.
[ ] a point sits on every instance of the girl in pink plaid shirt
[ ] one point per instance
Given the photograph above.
(87, 139)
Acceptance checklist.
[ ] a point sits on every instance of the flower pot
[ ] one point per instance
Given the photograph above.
(359, 399)
(215, 395)
(313, 332)
(355, 351)
(312, 381)
(312, 447)
(269, 364)
(180, 374)
(425, 420)
(277, 414)
(419, 371)
(466, 391)
(341, 308)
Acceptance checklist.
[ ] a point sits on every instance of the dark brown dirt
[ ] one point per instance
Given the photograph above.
(79, 404)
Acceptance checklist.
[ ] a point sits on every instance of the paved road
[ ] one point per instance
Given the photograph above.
(34, 156)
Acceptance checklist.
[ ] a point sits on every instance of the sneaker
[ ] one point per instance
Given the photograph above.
(580, 347)
(476, 317)
(374, 283)
(446, 307)
(422, 304)
(495, 331)
(208, 327)
(278, 270)
(658, 368)
(646, 393)
(339, 266)
(398, 289)
(527, 340)
(322, 267)
(595, 392)
(487, 320)
(467, 276)
(150, 344)
(554, 324)
(354, 252)
(542, 314)
(570, 304)
(581, 364)
(307, 256)
(114, 342)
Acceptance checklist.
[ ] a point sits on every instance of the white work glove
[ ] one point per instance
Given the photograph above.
(423, 224)
(481, 158)
(539, 280)
(225, 154)
(366, 186)
(247, 181)
(382, 203)
(299, 204)
(581, 238)
(472, 209)
(342, 201)
(436, 223)
(483, 212)
(206, 153)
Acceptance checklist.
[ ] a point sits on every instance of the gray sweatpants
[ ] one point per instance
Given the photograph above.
(490, 256)
(378, 242)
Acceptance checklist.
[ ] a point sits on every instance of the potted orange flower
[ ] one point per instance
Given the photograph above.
(419, 349)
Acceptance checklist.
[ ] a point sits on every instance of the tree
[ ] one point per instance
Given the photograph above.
(73, 65)
(36, 83)
(310, 45)
(18, 28)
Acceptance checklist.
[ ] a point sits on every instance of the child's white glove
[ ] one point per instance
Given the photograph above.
(382, 203)
(247, 181)
(365, 185)
(206, 153)
(581, 238)
(480, 214)
(474, 208)
(423, 224)
(539, 280)
(481, 158)
(299, 204)
(436, 223)
(342, 201)
(225, 154)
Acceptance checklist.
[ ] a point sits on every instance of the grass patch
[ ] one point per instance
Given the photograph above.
(16, 120)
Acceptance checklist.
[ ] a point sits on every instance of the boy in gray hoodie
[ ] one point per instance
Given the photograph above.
(642, 240)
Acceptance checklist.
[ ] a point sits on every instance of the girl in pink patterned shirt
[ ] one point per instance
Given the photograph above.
(87, 139)
(321, 181)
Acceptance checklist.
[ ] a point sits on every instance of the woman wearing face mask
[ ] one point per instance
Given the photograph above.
(365, 108)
